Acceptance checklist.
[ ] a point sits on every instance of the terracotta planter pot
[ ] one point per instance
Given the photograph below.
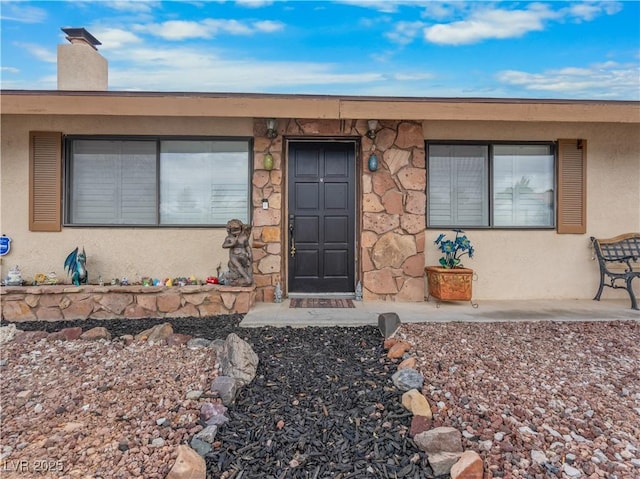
(449, 284)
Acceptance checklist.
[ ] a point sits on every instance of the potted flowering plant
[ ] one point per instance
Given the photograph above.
(451, 281)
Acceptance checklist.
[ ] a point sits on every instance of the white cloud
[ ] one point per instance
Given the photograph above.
(113, 38)
(164, 69)
(484, 22)
(22, 12)
(405, 32)
(606, 80)
(10, 69)
(587, 11)
(43, 54)
(253, 3)
(137, 6)
(385, 6)
(207, 28)
(490, 23)
(268, 26)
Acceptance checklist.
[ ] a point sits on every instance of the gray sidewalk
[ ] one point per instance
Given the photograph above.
(366, 312)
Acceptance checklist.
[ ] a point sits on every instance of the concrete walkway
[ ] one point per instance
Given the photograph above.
(367, 312)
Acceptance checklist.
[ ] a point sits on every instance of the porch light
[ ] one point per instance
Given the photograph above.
(371, 132)
(271, 128)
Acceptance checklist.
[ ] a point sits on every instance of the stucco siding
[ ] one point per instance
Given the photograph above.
(535, 264)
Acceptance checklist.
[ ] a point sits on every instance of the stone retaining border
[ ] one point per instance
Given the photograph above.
(67, 302)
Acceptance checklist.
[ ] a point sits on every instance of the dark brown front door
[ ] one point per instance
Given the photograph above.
(321, 223)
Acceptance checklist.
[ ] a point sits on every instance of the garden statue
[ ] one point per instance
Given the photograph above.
(75, 264)
(240, 255)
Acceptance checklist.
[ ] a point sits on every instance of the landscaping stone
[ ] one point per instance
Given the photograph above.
(96, 333)
(226, 388)
(238, 360)
(414, 401)
(440, 439)
(189, 465)
(469, 466)
(406, 379)
(388, 323)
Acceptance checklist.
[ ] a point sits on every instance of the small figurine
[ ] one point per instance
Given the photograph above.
(75, 264)
(14, 278)
(358, 291)
(277, 295)
(124, 281)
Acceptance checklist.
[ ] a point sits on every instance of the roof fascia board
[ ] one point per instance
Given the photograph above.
(314, 107)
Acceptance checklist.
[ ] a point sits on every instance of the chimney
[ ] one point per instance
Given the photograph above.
(80, 66)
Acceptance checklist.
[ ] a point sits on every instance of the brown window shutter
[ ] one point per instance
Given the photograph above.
(572, 186)
(45, 181)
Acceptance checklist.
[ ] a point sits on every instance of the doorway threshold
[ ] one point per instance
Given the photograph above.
(322, 295)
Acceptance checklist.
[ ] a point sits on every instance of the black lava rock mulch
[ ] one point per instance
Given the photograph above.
(321, 406)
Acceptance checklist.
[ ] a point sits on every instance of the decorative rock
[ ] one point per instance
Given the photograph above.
(440, 439)
(66, 334)
(538, 457)
(201, 447)
(196, 343)
(217, 345)
(419, 424)
(96, 333)
(408, 363)
(189, 465)
(194, 395)
(415, 402)
(442, 462)
(227, 389)
(157, 442)
(397, 350)
(571, 471)
(158, 334)
(208, 434)
(388, 324)
(213, 414)
(406, 379)
(238, 360)
(469, 466)
(177, 339)
(389, 342)
(7, 333)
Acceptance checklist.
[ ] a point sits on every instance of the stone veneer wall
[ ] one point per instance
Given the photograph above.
(66, 302)
(392, 206)
(393, 219)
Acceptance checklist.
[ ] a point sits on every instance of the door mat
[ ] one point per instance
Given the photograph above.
(320, 303)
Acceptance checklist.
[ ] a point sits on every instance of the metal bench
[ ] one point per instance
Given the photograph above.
(622, 251)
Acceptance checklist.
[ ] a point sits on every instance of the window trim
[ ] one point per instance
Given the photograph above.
(67, 177)
(490, 144)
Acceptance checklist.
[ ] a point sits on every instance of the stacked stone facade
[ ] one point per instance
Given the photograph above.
(391, 206)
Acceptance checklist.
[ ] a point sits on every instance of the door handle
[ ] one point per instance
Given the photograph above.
(292, 240)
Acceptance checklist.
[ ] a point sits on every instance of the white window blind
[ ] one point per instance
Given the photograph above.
(113, 182)
(458, 185)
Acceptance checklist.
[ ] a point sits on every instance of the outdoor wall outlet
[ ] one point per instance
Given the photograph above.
(265, 204)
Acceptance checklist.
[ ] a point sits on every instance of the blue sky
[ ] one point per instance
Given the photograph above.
(571, 50)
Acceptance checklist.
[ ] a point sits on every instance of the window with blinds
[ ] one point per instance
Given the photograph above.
(157, 182)
(491, 185)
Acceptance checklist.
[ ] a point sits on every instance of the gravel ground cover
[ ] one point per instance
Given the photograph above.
(536, 400)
